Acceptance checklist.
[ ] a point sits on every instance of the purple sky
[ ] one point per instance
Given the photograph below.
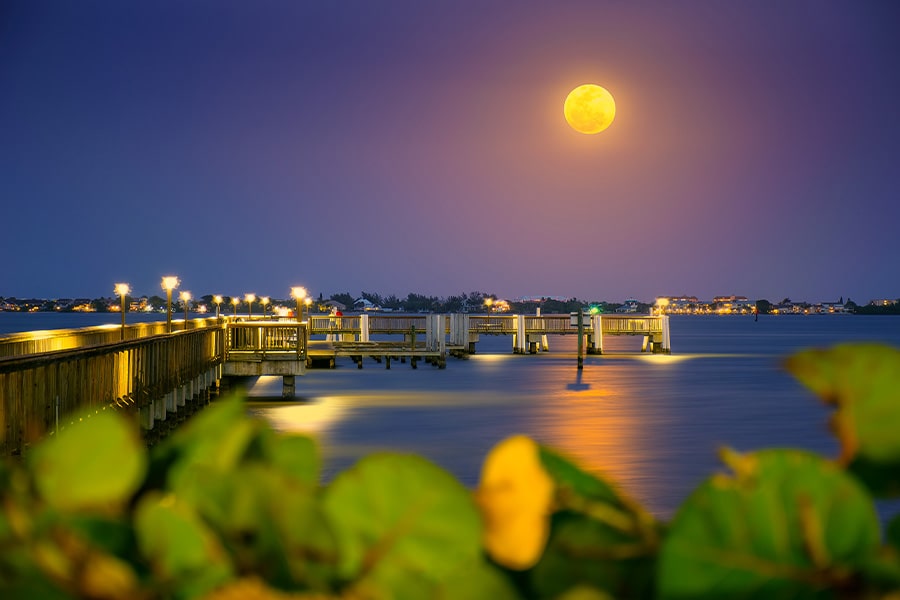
(410, 146)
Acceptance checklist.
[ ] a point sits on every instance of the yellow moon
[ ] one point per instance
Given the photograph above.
(590, 108)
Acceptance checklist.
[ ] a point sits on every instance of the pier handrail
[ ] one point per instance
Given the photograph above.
(39, 342)
(37, 390)
(266, 339)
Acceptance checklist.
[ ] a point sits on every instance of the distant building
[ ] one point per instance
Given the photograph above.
(883, 302)
(629, 306)
(364, 304)
(335, 305)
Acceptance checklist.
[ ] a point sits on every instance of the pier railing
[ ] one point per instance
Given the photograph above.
(38, 342)
(40, 392)
(269, 340)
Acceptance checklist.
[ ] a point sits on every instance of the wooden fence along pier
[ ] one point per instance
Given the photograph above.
(48, 377)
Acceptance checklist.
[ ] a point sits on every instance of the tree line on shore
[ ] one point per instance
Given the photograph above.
(413, 302)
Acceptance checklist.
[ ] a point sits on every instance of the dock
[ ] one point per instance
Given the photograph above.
(161, 374)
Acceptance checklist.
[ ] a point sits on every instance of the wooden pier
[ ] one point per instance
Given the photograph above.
(160, 377)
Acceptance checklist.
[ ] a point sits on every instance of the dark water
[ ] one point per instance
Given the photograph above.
(651, 423)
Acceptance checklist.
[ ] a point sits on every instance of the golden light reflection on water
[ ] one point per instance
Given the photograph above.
(312, 418)
(609, 418)
(600, 419)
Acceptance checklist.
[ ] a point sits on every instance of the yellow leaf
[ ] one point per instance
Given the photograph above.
(515, 496)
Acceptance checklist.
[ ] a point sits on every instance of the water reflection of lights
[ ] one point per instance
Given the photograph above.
(314, 418)
(606, 421)
(491, 357)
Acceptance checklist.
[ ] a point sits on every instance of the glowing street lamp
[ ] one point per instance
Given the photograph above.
(489, 303)
(661, 304)
(307, 302)
(169, 283)
(123, 289)
(217, 299)
(249, 298)
(299, 293)
(264, 301)
(235, 301)
(185, 299)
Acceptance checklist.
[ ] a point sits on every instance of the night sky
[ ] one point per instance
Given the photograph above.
(420, 146)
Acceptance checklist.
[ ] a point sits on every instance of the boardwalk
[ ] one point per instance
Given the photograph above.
(159, 377)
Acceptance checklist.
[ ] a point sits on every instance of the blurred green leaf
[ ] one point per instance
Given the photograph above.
(112, 535)
(270, 522)
(788, 524)
(893, 532)
(401, 522)
(476, 581)
(97, 462)
(585, 493)
(295, 455)
(585, 551)
(863, 381)
(185, 556)
(217, 438)
(600, 538)
(35, 585)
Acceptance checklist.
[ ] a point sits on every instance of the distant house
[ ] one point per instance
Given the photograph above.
(833, 307)
(335, 305)
(630, 306)
(364, 304)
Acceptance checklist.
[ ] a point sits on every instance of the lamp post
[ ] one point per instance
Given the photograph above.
(489, 302)
(186, 300)
(299, 293)
(123, 289)
(169, 283)
(234, 302)
(264, 301)
(249, 298)
(217, 299)
(307, 302)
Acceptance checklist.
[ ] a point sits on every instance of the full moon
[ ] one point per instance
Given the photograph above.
(590, 108)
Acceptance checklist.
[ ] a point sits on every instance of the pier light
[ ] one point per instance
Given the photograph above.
(489, 303)
(299, 293)
(169, 283)
(234, 302)
(217, 299)
(249, 298)
(308, 303)
(186, 300)
(123, 289)
(661, 304)
(264, 301)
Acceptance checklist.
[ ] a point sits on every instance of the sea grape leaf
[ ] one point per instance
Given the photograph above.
(112, 535)
(402, 524)
(893, 532)
(271, 524)
(600, 538)
(579, 491)
(217, 438)
(515, 494)
(97, 462)
(184, 554)
(476, 581)
(589, 552)
(583, 592)
(787, 524)
(863, 381)
(296, 455)
(254, 588)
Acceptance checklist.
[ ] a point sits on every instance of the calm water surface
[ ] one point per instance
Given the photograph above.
(651, 423)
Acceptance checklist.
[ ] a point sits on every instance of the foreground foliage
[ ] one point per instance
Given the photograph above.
(227, 508)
